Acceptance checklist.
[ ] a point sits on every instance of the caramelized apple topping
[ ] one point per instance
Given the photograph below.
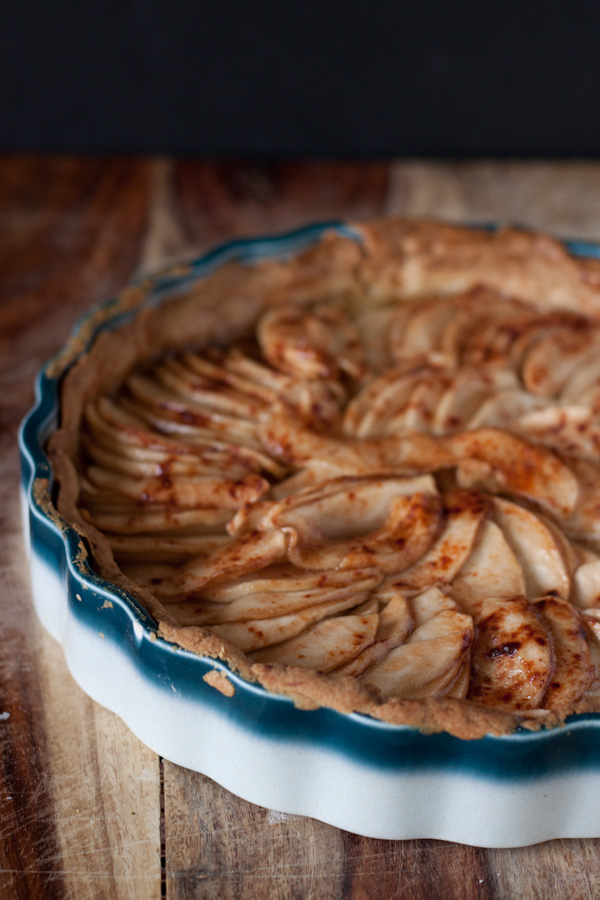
(406, 496)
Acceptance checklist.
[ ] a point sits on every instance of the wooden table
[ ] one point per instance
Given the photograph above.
(86, 811)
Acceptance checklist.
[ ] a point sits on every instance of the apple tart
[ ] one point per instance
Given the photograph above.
(367, 478)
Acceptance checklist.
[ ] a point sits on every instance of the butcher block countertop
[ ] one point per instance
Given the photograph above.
(86, 811)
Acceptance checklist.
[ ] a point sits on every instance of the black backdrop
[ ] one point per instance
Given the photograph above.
(297, 79)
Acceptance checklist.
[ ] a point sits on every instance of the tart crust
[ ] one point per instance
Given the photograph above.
(392, 262)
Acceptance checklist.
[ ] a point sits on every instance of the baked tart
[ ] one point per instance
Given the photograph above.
(367, 477)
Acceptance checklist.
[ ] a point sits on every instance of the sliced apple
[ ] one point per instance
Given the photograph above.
(423, 329)
(161, 548)
(117, 430)
(463, 513)
(265, 380)
(367, 657)
(134, 519)
(284, 578)
(191, 492)
(235, 558)
(512, 657)
(491, 570)
(591, 621)
(352, 522)
(503, 407)
(207, 386)
(272, 603)
(395, 619)
(497, 331)
(540, 556)
(584, 522)
(427, 605)
(311, 343)
(258, 633)
(519, 467)
(470, 388)
(574, 671)
(246, 376)
(419, 413)
(356, 533)
(549, 364)
(534, 331)
(586, 585)
(568, 429)
(323, 646)
(428, 662)
(286, 438)
(378, 326)
(584, 380)
(459, 688)
(383, 405)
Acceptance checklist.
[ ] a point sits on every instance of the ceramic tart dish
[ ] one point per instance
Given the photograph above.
(316, 516)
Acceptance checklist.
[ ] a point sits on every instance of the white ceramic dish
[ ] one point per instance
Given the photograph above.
(359, 774)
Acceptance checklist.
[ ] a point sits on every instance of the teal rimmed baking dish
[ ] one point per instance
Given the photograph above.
(372, 778)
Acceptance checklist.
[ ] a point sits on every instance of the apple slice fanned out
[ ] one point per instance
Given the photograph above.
(591, 623)
(518, 467)
(284, 578)
(172, 414)
(403, 537)
(312, 343)
(162, 548)
(335, 506)
(395, 619)
(503, 407)
(496, 333)
(535, 330)
(251, 375)
(117, 431)
(491, 570)
(583, 382)
(584, 523)
(568, 429)
(512, 656)
(134, 519)
(429, 604)
(395, 624)
(352, 522)
(574, 671)
(247, 377)
(538, 552)
(285, 437)
(256, 634)
(208, 386)
(430, 661)
(277, 596)
(323, 646)
(470, 388)
(423, 330)
(553, 359)
(379, 327)
(398, 400)
(585, 591)
(463, 514)
(189, 492)
(234, 558)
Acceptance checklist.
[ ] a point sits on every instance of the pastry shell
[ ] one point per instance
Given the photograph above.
(186, 673)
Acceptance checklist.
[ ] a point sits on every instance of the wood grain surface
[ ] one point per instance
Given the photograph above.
(86, 811)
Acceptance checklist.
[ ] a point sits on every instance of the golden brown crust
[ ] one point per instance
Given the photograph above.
(396, 260)
(220, 682)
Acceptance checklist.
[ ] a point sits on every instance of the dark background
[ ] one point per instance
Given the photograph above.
(301, 79)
